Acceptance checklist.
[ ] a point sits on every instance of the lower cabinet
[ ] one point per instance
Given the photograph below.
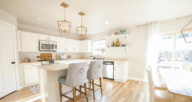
(121, 71)
(29, 74)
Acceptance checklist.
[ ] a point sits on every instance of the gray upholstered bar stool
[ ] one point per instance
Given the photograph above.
(95, 72)
(76, 76)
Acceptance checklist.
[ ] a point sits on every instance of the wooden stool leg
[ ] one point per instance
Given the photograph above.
(93, 89)
(85, 87)
(89, 83)
(60, 89)
(80, 90)
(101, 85)
(74, 94)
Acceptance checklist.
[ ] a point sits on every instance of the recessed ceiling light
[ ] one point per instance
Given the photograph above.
(39, 19)
(106, 22)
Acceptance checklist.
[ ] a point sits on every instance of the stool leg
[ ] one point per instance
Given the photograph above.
(74, 94)
(60, 89)
(93, 89)
(80, 90)
(89, 84)
(85, 87)
(101, 85)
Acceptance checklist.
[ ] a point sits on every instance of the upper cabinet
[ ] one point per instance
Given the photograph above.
(48, 38)
(61, 44)
(86, 46)
(29, 42)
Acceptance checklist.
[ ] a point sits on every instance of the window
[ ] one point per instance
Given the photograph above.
(174, 52)
(99, 46)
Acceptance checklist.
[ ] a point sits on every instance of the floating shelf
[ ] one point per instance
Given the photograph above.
(118, 47)
(120, 35)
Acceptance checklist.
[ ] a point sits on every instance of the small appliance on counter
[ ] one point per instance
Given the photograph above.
(46, 57)
(63, 56)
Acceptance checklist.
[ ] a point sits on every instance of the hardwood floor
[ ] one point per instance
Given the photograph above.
(20, 96)
(130, 91)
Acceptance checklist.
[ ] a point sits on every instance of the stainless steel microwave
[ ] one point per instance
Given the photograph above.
(47, 46)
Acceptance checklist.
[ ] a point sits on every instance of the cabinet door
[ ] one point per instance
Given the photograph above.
(61, 44)
(53, 38)
(31, 74)
(70, 45)
(83, 46)
(119, 71)
(44, 37)
(30, 42)
(78, 46)
(86, 46)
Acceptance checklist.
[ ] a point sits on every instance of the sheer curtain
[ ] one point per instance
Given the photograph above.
(152, 45)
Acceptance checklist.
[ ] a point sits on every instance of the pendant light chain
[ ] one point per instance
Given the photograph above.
(64, 13)
(81, 23)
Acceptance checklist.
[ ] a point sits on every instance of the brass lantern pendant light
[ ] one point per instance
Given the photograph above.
(64, 25)
(81, 31)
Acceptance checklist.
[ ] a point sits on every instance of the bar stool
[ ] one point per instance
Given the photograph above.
(76, 76)
(95, 72)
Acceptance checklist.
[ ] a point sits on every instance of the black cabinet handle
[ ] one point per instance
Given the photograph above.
(12, 62)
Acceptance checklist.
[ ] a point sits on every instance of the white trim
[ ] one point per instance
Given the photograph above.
(134, 78)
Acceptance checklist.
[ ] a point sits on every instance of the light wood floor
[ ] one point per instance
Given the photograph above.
(20, 96)
(130, 91)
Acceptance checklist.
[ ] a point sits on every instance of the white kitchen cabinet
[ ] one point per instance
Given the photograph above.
(121, 71)
(53, 38)
(61, 44)
(48, 38)
(29, 42)
(86, 46)
(44, 37)
(29, 74)
(70, 45)
(77, 46)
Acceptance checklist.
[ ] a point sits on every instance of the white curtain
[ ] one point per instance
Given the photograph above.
(152, 45)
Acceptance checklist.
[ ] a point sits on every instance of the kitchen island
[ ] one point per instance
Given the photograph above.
(49, 75)
(48, 81)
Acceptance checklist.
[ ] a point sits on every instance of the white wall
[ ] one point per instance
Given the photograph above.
(175, 25)
(137, 52)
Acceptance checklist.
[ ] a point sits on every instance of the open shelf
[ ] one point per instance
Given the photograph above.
(119, 35)
(118, 47)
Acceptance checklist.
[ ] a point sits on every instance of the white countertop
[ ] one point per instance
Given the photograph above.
(54, 67)
(122, 60)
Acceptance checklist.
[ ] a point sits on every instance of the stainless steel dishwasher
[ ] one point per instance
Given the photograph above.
(108, 70)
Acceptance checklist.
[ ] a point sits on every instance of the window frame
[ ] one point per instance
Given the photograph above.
(98, 52)
(174, 45)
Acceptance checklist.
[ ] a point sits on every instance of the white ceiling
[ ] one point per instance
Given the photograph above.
(119, 13)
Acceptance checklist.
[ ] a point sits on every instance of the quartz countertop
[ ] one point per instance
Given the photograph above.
(83, 59)
(54, 67)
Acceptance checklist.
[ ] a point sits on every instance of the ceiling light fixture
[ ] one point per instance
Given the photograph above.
(106, 22)
(81, 31)
(64, 25)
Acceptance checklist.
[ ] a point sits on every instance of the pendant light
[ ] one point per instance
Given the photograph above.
(81, 31)
(64, 25)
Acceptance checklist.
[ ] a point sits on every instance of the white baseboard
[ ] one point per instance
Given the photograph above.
(136, 79)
